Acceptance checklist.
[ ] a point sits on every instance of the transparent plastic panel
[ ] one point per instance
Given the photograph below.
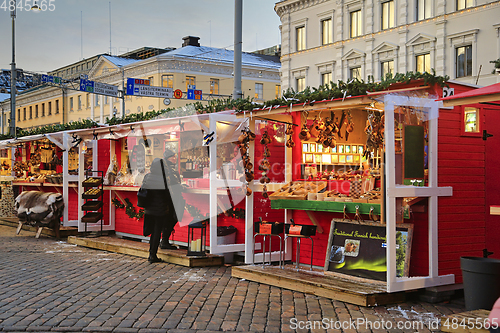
(411, 142)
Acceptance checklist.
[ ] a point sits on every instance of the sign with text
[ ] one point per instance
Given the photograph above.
(360, 249)
(98, 88)
(140, 87)
(194, 94)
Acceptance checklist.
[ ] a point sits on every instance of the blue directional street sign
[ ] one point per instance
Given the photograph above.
(141, 87)
(98, 88)
(86, 85)
(194, 94)
(51, 79)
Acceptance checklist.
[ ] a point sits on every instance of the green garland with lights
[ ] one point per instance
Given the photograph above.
(328, 91)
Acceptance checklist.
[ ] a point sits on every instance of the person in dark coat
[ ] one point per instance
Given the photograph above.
(177, 203)
(158, 208)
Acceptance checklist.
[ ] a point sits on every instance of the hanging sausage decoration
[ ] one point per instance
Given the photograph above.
(244, 139)
(349, 125)
(264, 164)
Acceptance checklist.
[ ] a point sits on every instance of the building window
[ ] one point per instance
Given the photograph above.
(386, 68)
(106, 100)
(190, 81)
(31, 112)
(301, 84)
(79, 102)
(259, 91)
(24, 114)
(49, 109)
(57, 106)
(43, 109)
(355, 73)
(423, 63)
(388, 15)
(151, 80)
(167, 81)
(96, 100)
(423, 9)
(326, 32)
(300, 38)
(326, 78)
(214, 86)
(471, 120)
(464, 60)
(462, 4)
(36, 111)
(19, 114)
(71, 103)
(87, 100)
(277, 91)
(355, 23)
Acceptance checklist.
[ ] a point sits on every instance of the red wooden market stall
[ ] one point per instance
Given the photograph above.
(390, 187)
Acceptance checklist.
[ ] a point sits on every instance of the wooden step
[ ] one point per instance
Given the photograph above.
(140, 249)
(339, 287)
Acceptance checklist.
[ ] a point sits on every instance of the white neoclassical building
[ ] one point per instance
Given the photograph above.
(331, 40)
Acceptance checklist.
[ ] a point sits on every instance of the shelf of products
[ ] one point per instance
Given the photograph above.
(92, 195)
(326, 206)
(341, 154)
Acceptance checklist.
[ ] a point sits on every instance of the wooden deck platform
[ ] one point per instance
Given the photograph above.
(465, 322)
(63, 231)
(334, 286)
(140, 249)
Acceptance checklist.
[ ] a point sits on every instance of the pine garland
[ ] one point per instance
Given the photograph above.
(328, 91)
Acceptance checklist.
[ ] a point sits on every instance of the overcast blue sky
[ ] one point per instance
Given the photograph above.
(47, 40)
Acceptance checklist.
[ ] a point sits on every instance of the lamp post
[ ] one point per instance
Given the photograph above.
(12, 124)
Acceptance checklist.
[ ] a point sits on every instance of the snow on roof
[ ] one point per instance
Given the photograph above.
(4, 96)
(222, 55)
(120, 61)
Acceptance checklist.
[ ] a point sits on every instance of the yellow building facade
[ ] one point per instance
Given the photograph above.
(205, 68)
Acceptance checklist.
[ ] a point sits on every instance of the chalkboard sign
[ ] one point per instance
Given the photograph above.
(413, 152)
(359, 249)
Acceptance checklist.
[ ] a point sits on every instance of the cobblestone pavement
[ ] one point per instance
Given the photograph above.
(51, 286)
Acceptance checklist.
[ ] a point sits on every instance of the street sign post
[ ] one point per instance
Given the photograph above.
(194, 94)
(138, 87)
(98, 88)
(51, 79)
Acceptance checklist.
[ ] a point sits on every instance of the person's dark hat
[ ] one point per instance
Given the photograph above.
(168, 153)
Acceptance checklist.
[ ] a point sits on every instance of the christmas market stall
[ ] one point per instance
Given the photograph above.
(366, 215)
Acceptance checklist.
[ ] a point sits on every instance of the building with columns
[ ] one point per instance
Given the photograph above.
(331, 40)
(209, 69)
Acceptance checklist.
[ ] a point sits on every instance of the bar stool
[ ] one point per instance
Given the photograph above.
(298, 239)
(298, 232)
(280, 262)
(268, 230)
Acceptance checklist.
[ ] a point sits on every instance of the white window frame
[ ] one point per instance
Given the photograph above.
(390, 17)
(428, 9)
(424, 54)
(259, 91)
(460, 39)
(359, 23)
(295, 25)
(300, 38)
(382, 74)
(322, 20)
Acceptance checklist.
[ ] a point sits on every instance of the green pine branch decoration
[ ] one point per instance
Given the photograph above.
(328, 91)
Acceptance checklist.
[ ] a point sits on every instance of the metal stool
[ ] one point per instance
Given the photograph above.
(281, 263)
(297, 241)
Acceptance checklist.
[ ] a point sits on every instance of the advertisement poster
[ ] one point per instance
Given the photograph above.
(360, 249)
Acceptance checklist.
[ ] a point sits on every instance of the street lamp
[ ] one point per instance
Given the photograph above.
(12, 124)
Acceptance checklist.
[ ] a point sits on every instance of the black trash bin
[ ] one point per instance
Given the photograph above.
(481, 282)
(227, 235)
